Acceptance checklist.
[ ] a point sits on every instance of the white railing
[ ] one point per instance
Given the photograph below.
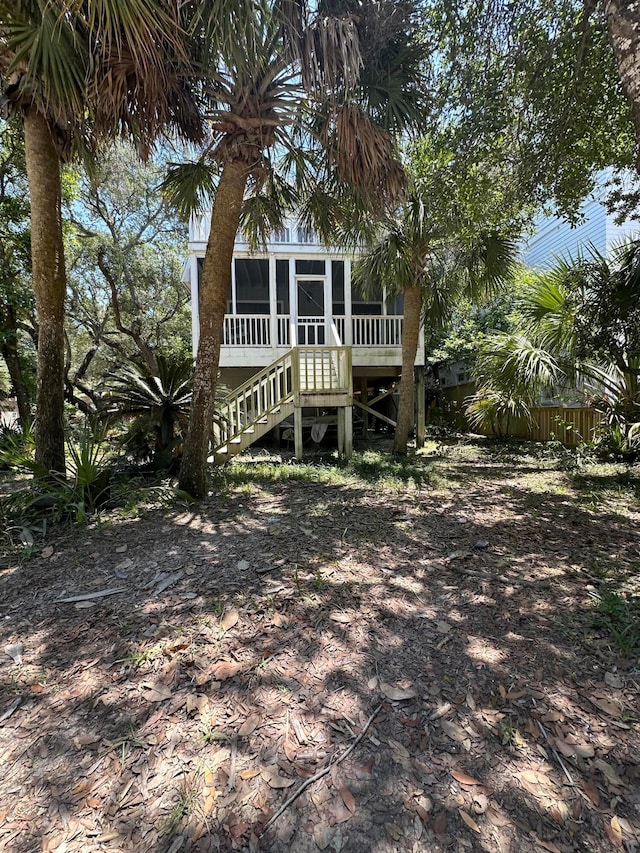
(199, 227)
(254, 330)
(284, 331)
(323, 369)
(246, 330)
(311, 331)
(377, 331)
(251, 401)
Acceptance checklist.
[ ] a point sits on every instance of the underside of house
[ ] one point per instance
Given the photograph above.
(301, 348)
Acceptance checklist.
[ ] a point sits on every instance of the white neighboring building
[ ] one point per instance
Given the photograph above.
(555, 238)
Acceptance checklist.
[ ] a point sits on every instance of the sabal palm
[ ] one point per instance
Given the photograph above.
(581, 328)
(586, 313)
(289, 94)
(428, 254)
(76, 73)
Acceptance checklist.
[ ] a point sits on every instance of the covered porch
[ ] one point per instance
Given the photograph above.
(275, 303)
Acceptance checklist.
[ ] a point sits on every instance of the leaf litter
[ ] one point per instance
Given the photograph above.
(197, 703)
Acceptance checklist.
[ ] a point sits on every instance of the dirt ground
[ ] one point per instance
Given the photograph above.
(437, 622)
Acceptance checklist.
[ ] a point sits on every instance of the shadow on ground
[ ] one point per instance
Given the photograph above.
(254, 637)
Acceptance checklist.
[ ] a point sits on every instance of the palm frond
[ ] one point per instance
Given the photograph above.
(190, 187)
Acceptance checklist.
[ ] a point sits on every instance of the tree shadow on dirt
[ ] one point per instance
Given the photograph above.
(181, 718)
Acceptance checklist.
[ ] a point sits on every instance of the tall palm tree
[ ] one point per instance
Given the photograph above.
(76, 73)
(288, 91)
(431, 255)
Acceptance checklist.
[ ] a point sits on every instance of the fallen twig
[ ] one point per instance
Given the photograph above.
(321, 773)
(555, 752)
(89, 595)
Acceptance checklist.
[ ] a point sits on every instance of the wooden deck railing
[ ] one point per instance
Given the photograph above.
(301, 371)
(254, 330)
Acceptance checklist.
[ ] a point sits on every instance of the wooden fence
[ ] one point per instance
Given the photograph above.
(570, 425)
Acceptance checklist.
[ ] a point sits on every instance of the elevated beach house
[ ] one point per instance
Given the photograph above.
(301, 346)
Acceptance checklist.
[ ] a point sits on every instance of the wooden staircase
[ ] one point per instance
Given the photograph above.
(305, 376)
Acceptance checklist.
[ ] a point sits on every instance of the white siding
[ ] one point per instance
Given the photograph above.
(554, 237)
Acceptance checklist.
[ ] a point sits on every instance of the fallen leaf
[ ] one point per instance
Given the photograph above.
(279, 620)
(614, 831)
(497, 817)
(607, 705)
(15, 651)
(249, 774)
(440, 823)
(502, 690)
(249, 726)
(225, 669)
(394, 831)
(609, 773)
(591, 790)
(611, 679)
(322, 835)
(229, 619)
(397, 694)
(347, 798)
(548, 845)
(464, 779)
(157, 692)
(453, 731)
(339, 616)
(469, 821)
(274, 780)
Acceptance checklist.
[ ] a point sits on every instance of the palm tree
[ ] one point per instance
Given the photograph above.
(580, 329)
(429, 253)
(293, 116)
(76, 73)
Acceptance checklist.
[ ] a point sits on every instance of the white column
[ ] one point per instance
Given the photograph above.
(348, 320)
(234, 309)
(195, 304)
(273, 305)
(328, 302)
(293, 303)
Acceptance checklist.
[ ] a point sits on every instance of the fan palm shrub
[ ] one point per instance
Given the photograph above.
(157, 402)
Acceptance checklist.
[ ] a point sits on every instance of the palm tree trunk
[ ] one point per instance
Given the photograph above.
(225, 219)
(623, 19)
(410, 337)
(49, 284)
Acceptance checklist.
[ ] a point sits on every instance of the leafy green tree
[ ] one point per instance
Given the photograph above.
(295, 114)
(73, 74)
(157, 399)
(536, 84)
(16, 299)
(126, 250)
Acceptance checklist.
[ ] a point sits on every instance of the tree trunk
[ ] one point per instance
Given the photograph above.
(216, 272)
(12, 359)
(49, 283)
(410, 337)
(623, 20)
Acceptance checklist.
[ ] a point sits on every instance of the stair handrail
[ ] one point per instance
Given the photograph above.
(229, 430)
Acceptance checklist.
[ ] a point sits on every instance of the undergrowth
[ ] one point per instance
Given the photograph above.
(619, 613)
